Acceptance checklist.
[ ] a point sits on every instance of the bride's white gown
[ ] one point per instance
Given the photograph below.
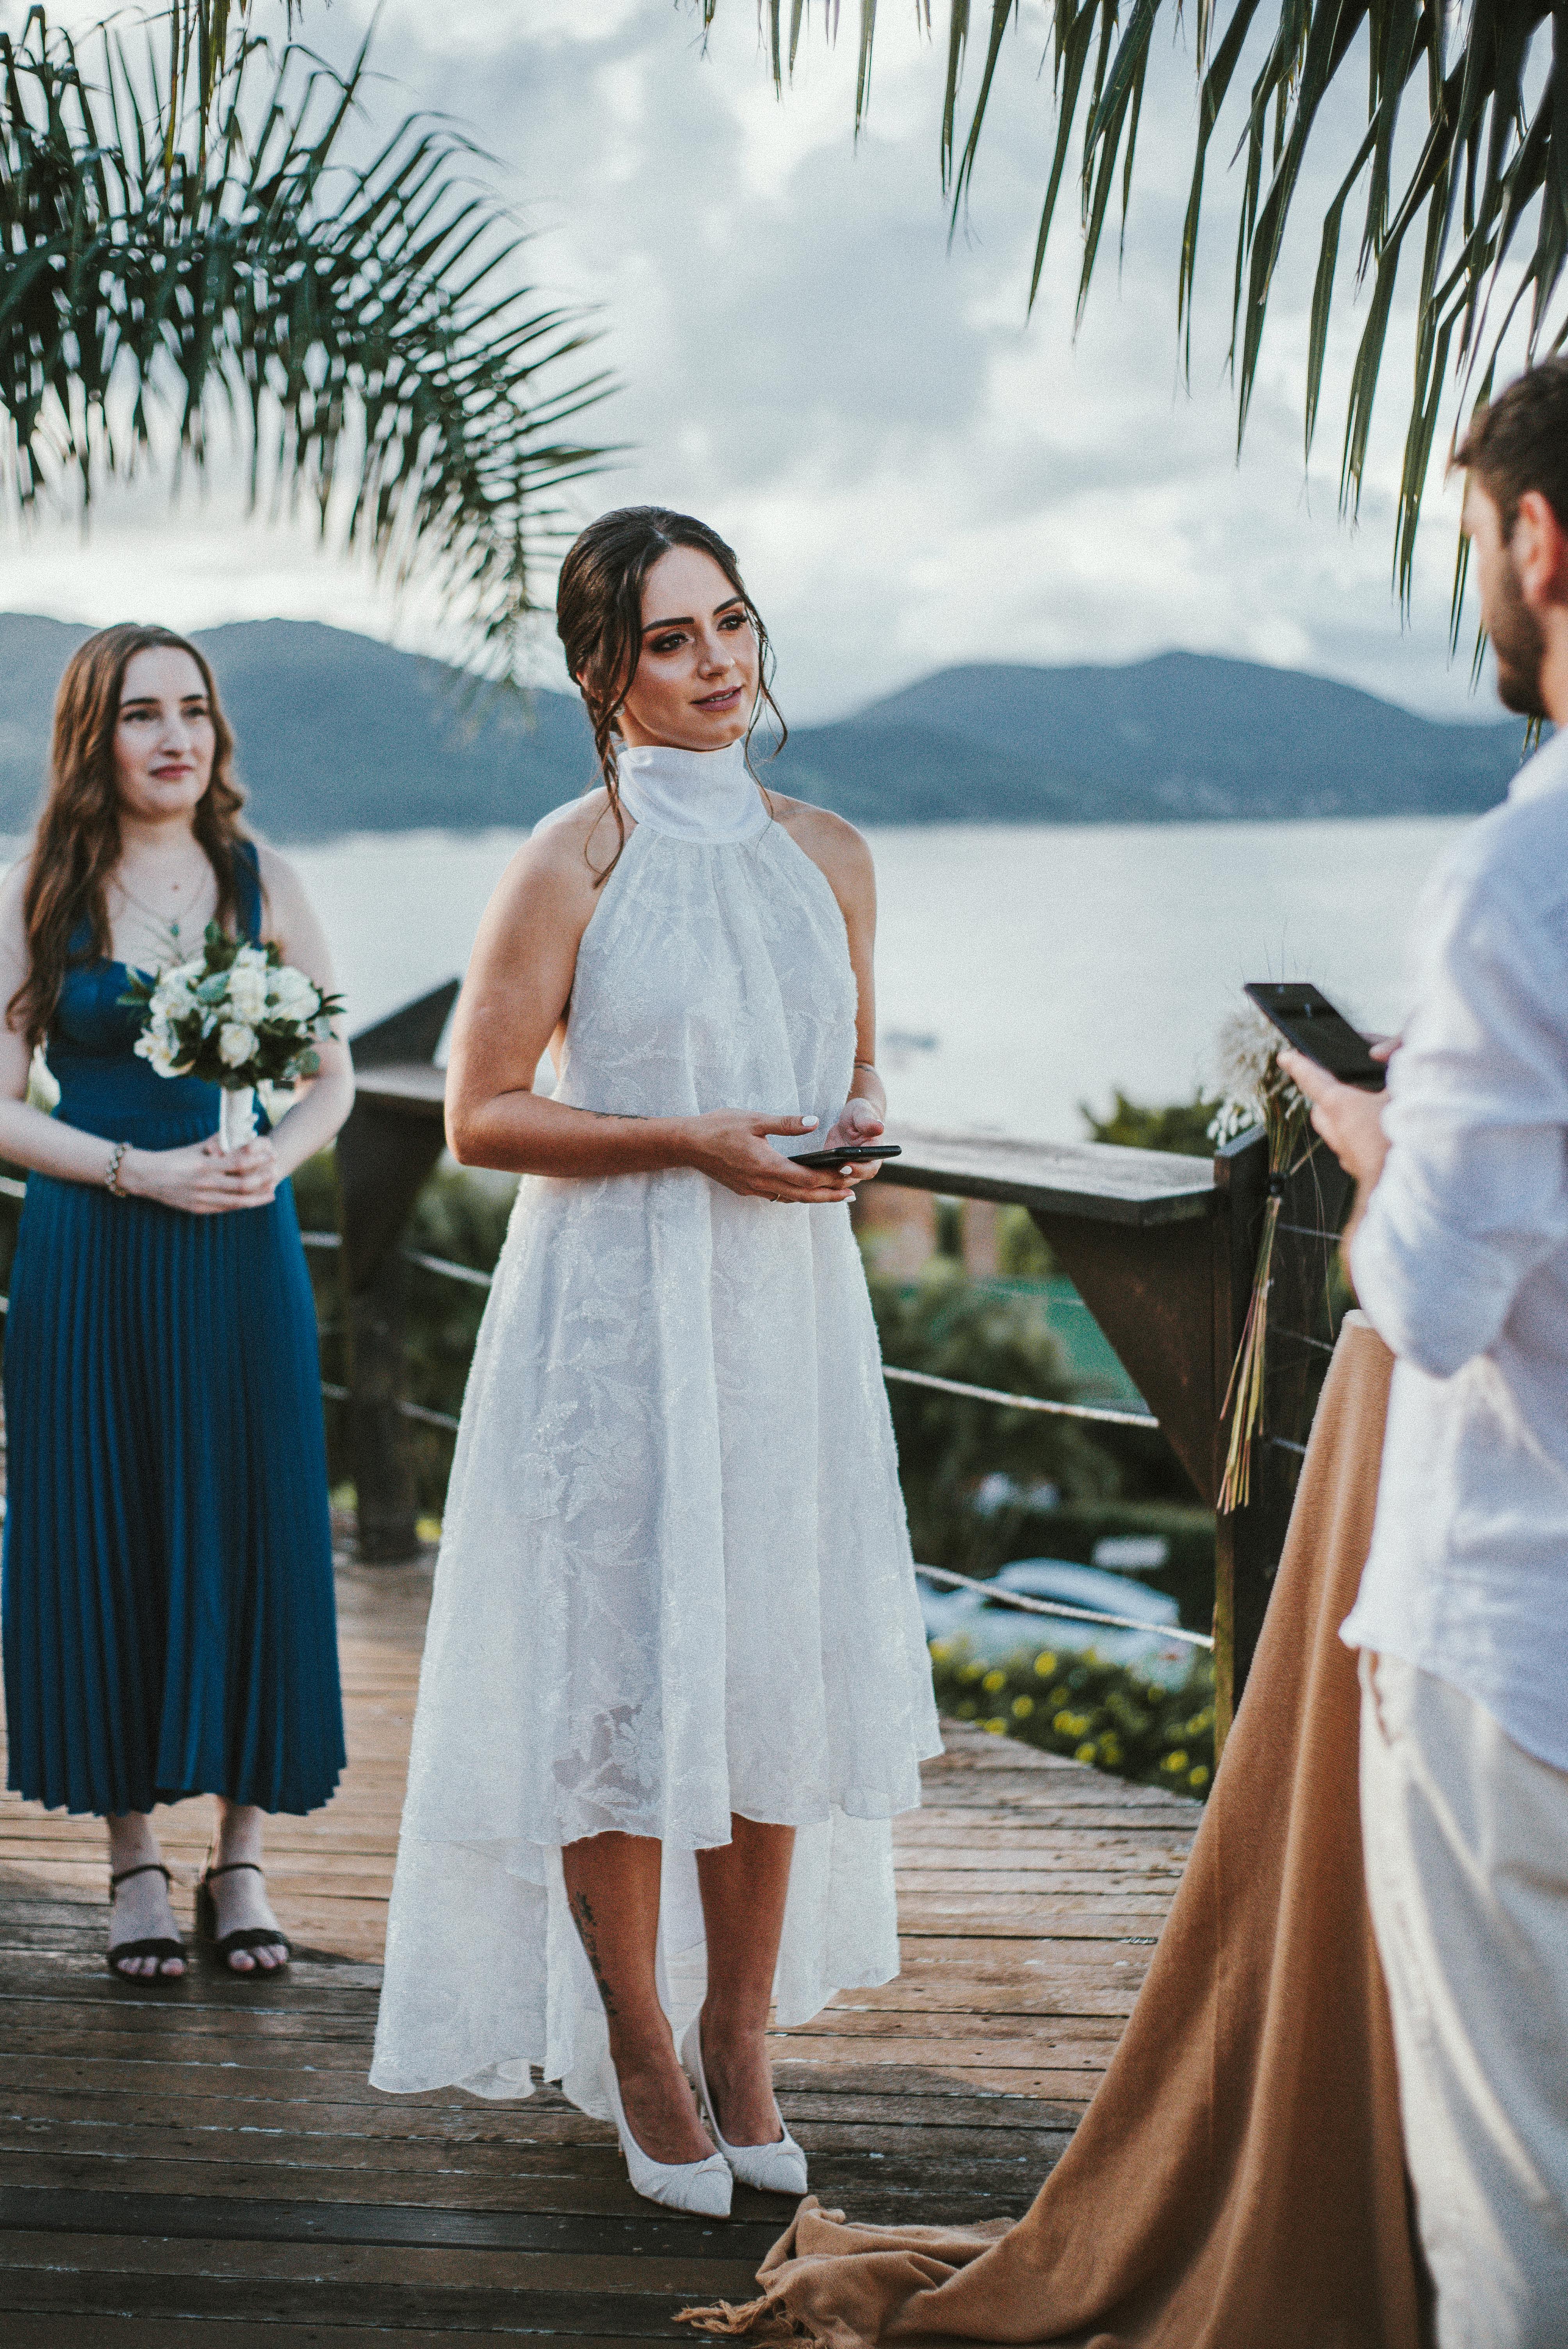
(675, 1578)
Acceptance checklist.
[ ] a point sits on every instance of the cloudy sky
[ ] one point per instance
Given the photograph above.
(913, 470)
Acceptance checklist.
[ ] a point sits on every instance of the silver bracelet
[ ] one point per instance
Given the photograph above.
(112, 1172)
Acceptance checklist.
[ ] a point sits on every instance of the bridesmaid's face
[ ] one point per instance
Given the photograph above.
(163, 738)
(695, 680)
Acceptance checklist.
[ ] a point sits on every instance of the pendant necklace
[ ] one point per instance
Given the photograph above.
(171, 925)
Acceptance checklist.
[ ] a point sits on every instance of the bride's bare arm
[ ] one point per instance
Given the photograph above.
(514, 1001)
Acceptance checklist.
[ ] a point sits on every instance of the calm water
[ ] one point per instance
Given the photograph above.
(1047, 964)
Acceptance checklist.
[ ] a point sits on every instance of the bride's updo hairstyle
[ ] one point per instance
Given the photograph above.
(599, 620)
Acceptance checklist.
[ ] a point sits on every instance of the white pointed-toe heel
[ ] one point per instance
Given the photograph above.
(701, 2187)
(776, 2168)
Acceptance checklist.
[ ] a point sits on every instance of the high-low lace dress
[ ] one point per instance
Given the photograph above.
(675, 1578)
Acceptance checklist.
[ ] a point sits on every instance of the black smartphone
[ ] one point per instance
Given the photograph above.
(1306, 1017)
(851, 1154)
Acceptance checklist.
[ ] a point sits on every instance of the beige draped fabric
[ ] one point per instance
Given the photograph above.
(1238, 2180)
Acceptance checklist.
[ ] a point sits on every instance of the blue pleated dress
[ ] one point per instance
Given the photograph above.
(166, 1585)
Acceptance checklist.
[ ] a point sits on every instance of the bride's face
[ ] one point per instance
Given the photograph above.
(695, 680)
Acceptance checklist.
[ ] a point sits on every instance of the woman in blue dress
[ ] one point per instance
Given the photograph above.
(167, 1584)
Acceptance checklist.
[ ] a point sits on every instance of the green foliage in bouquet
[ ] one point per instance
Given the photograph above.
(233, 1014)
(1105, 1715)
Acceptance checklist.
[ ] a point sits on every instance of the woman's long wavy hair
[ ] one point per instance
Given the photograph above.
(77, 843)
(599, 620)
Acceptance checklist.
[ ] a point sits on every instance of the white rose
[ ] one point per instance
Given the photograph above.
(293, 994)
(159, 1049)
(248, 992)
(251, 958)
(236, 1044)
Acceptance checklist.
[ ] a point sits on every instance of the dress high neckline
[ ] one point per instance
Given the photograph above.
(706, 796)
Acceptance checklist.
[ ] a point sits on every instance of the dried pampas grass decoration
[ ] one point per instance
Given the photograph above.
(1256, 1091)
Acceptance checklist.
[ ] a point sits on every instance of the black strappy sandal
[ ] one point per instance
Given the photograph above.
(161, 1949)
(244, 1937)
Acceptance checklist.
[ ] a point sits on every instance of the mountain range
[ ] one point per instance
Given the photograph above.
(340, 733)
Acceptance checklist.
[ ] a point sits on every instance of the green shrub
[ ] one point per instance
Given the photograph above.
(1093, 1712)
(463, 1221)
(946, 1442)
(1180, 1126)
(458, 1219)
(1023, 1251)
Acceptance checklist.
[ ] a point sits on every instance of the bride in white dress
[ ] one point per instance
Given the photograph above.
(675, 1686)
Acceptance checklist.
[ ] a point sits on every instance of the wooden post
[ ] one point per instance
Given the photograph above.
(386, 1505)
(385, 1158)
(1171, 1296)
(1301, 1323)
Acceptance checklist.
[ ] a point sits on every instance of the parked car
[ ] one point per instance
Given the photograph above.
(991, 1631)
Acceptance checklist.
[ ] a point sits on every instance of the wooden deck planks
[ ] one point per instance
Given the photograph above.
(206, 2162)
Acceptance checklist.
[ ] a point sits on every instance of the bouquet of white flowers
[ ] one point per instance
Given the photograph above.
(237, 1016)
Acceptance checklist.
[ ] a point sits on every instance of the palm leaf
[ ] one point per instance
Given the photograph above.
(1487, 188)
(359, 324)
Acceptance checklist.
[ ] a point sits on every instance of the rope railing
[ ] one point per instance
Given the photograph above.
(419, 1411)
(471, 1277)
(1031, 1606)
(1020, 1402)
(1102, 1414)
(463, 1272)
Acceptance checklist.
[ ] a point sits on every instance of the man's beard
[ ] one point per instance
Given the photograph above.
(1520, 643)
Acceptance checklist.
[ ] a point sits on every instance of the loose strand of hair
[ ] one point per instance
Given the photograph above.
(604, 708)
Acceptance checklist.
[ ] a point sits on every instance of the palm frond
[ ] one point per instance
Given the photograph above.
(200, 36)
(359, 324)
(1488, 190)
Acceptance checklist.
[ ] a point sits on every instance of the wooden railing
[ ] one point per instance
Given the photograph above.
(1161, 1248)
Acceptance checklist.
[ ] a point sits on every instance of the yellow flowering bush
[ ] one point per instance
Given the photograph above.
(1098, 1712)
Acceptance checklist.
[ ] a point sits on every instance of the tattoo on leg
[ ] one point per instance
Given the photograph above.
(582, 1918)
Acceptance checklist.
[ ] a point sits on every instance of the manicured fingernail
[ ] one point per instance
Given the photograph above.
(809, 1122)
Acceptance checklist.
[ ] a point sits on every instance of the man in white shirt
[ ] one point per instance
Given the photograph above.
(1460, 1257)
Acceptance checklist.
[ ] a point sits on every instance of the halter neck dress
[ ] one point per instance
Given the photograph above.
(167, 1581)
(675, 1580)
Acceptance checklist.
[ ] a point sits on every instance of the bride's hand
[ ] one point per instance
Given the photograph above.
(859, 1121)
(730, 1146)
(202, 1178)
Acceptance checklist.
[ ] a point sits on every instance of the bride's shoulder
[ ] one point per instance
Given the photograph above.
(552, 875)
(827, 840)
(563, 836)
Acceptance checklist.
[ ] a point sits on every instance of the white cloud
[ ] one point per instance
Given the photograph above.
(913, 474)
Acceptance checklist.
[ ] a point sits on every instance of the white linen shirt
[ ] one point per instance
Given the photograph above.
(1461, 1264)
